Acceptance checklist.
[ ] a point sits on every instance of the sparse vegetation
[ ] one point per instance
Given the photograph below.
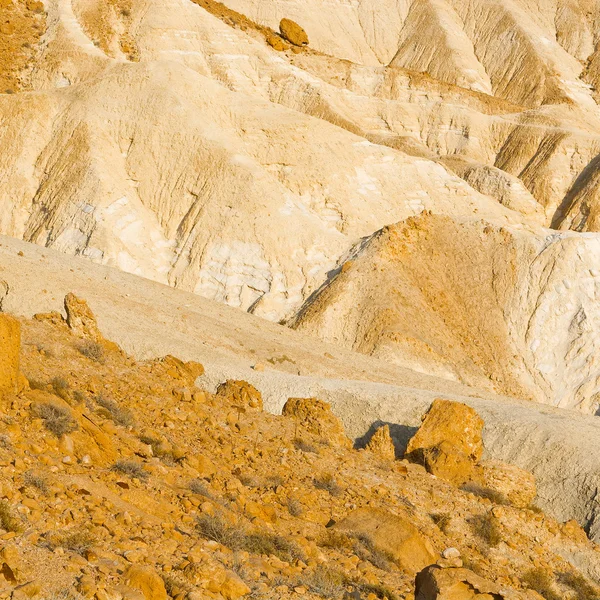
(8, 520)
(304, 446)
(235, 537)
(75, 541)
(37, 481)
(487, 528)
(57, 419)
(294, 507)
(328, 482)
(92, 350)
(442, 520)
(541, 582)
(199, 487)
(583, 589)
(484, 492)
(131, 468)
(118, 414)
(324, 581)
(61, 388)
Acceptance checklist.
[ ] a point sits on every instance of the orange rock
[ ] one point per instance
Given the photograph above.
(381, 443)
(393, 535)
(293, 33)
(10, 348)
(316, 416)
(146, 580)
(241, 393)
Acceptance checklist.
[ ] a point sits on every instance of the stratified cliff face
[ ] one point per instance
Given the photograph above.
(173, 140)
(502, 307)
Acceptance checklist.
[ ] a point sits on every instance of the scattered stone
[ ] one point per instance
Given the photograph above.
(449, 462)
(146, 580)
(514, 484)
(278, 44)
(453, 422)
(81, 319)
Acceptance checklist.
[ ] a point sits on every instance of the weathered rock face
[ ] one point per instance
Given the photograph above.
(316, 417)
(392, 534)
(510, 309)
(369, 143)
(10, 347)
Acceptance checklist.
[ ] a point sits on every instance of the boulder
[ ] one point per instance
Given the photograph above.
(316, 417)
(436, 583)
(241, 393)
(81, 319)
(515, 484)
(448, 421)
(146, 580)
(449, 462)
(10, 347)
(293, 33)
(381, 443)
(276, 42)
(392, 534)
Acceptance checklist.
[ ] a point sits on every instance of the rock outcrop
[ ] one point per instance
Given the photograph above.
(10, 348)
(381, 443)
(315, 416)
(241, 393)
(507, 308)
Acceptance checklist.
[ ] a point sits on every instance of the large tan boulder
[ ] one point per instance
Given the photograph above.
(391, 534)
(436, 583)
(382, 444)
(146, 580)
(10, 347)
(515, 484)
(448, 421)
(241, 393)
(316, 417)
(293, 33)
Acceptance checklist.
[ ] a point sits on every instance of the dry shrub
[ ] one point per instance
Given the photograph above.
(57, 419)
(92, 350)
(235, 537)
(131, 468)
(121, 416)
(541, 582)
(327, 482)
(487, 528)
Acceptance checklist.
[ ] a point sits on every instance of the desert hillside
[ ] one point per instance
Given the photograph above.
(299, 299)
(194, 144)
(123, 479)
